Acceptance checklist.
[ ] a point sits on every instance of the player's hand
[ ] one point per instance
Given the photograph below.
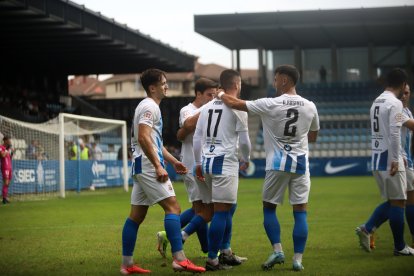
(199, 173)
(243, 165)
(180, 168)
(394, 168)
(162, 175)
(217, 92)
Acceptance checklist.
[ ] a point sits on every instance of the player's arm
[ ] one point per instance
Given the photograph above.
(314, 127)
(245, 148)
(312, 136)
(395, 136)
(188, 127)
(178, 166)
(409, 124)
(144, 139)
(3, 153)
(197, 146)
(232, 102)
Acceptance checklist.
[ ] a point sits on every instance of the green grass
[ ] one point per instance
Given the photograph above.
(81, 235)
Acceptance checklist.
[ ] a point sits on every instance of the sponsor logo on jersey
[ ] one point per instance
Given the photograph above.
(147, 115)
(329, 169)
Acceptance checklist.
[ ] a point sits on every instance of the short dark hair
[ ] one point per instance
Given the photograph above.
(202, 84)
(150, 77)
(5, 137)
(227, 78)
(396, 77)
(290, 71)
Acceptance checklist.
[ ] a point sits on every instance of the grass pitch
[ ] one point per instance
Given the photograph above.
(81, 235)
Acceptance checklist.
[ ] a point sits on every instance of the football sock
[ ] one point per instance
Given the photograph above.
(409, 215)
(216, 232)
(378, 217)
(129, 238)
(277, 247)
(300, 231)
(186, 217)
(202, 234)
(298, 257)
(397, 226)
(225, 244)
(271, 225)
(193, 225)
(179, 256)
(173, 229)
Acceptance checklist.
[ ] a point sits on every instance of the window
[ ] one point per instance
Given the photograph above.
(118, 86)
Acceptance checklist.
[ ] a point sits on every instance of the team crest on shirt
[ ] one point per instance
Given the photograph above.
(399, 117)
(170, 187)
(147, 115)
(287, 148)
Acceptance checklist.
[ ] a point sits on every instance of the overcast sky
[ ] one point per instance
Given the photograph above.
(171, 21)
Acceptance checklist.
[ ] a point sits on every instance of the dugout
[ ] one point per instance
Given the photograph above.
(352, 44)
(44, 41)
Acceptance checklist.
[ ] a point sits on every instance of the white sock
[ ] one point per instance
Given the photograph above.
(277, 247)
(298, 257)
(213, 261)
(226, 251)
(127, 260)
(179, 256)
(184, 235)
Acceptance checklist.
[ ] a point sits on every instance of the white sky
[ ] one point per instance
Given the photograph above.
(171, 21)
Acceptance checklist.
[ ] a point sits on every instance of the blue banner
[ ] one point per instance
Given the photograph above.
(332, 166)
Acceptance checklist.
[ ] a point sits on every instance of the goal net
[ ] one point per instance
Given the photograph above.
(68, 153)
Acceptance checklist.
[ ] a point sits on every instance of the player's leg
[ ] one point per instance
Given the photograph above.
(379, 214)
(6, 182)
(409, 205)
(298, 195)
(409, 214)
(224, 195)
(188, 214)
(173, 229)
(216, 233)
(396, 191)
(139, 208)
(273, 190)
(197, 223)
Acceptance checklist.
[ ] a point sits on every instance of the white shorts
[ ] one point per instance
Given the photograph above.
(391, 187)
(196, 190)
(147, 190)
(276, 183)
(221, 188)
(410, 179)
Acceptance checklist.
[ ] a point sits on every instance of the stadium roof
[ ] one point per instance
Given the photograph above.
(64, 37)
(391, 26)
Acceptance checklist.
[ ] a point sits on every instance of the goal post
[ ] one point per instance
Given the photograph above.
(69, 152)
(63, 132)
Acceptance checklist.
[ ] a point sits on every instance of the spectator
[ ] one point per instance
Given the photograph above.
(6, 154)
(96, 152)
(31, 150)
(322, 74)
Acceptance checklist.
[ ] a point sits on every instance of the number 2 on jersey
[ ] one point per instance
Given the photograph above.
(210, 118)
(288, 130)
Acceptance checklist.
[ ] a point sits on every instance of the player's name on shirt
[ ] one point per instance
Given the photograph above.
(380, 100)
(293, 103)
